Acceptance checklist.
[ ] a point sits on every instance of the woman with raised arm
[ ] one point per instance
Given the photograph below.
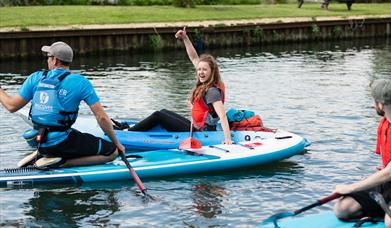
(206, 99)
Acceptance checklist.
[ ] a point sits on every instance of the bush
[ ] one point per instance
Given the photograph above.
(227, 2)
(184, 3)
(154, 43)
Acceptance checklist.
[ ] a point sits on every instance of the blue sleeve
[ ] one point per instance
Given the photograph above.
(88, 93)
(27, 89)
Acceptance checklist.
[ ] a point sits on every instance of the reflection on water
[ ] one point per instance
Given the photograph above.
(50, 208)
(208, 199)
(318, 90)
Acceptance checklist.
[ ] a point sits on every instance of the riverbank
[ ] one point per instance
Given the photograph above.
(208, 26)
(204, 23)
(153, 37)
(23, 18)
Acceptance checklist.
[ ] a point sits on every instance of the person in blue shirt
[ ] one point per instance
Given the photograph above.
(55, 96)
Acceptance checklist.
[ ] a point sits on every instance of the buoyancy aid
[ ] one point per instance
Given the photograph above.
(383, 146)
(46, 110)
(201, 109)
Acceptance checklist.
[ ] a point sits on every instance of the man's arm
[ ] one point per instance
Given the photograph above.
(105, 123)
(375, 179)
(12, 104)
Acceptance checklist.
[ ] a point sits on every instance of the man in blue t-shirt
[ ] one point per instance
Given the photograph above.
(55, 97)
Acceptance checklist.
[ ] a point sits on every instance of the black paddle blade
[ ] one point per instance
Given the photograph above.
(148, 197)
(273, 219)
(380, 201)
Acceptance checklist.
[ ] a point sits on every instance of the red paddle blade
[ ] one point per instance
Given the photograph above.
(195, 144)
(190, 143)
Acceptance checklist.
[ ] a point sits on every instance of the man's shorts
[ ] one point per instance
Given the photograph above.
(79, 145)
(369, 206)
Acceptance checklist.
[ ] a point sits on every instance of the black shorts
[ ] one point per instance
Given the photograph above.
(79, 145)
(369, 206)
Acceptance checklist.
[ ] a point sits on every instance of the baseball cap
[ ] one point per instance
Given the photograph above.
(381, 91)
(60, 50)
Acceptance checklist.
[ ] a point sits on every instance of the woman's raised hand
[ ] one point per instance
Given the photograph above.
(181, 34)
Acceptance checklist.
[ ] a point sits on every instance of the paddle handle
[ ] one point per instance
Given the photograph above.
(329, 198)
(132, 172)
(318, 203)
(191, 127)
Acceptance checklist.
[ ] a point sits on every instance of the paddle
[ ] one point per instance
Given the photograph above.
(190, 143)
(380, 201)
(285, 214)
(134, 175)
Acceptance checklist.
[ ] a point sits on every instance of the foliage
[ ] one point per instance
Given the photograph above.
(226, 2)
(184, 3)
(154, 43)
(198, 35)
(257, 33)
(315, 28)
(337, 30)
(144, 2)
(276, 35)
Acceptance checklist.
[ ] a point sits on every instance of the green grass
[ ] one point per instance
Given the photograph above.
(82, 15)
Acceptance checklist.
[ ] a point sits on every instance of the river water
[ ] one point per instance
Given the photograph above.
(318, 90)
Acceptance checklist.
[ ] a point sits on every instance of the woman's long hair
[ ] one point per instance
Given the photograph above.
(200, 89)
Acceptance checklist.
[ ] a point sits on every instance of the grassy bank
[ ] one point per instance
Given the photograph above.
(23, 17)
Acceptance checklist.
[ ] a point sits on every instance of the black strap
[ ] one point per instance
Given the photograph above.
(50, 128)
(363, 220)
(68, 113)
(45, 73)
(61, 77)
(69, 121)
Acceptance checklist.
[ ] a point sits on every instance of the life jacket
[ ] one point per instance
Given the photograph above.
(201, 109)
(46, 109)
(383, 146)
